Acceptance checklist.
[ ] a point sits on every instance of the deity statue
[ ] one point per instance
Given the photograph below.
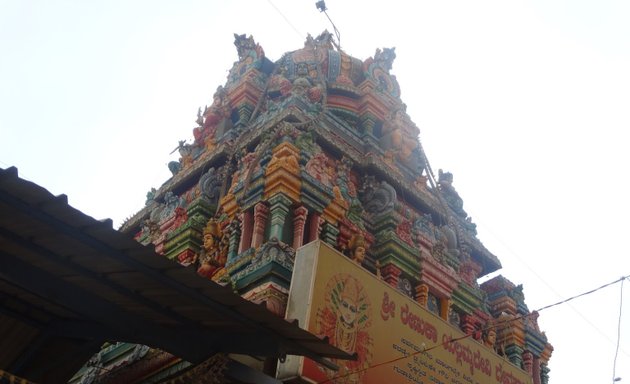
(212, 116)
(357, 246)
(490, 338)
(213, 256)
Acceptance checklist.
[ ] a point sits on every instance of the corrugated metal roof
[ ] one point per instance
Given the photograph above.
(69, 282)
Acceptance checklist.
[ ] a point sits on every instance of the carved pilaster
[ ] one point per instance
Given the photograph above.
(422, 294)
(544, 374)
(261, 211)
(445, 305)
(247, 224)
(234, 229)
(314, 226)
(279, 208)
(515, 354)
(536, 371)
(299, 220)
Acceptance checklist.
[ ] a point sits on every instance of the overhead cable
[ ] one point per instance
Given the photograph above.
(286, 19)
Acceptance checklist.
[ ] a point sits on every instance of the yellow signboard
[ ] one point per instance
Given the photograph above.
(395, 339)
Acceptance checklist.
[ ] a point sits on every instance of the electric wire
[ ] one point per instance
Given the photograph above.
(551, 288)
(286, 19)
(497, 324)
(614, 373)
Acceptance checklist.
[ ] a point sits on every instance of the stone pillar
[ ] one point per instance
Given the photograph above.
(544, 374)
(391, 274)
(528, 362)
(445, 304)
(261, 211)
(279, 208)
(299, 220)
(314, 226)
(536, 374)
(329, 234)
(247, 225)
(515, 354)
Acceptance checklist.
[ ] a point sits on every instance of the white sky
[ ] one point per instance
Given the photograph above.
(526, 102)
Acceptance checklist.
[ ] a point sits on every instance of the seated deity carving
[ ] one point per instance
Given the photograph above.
(211, 119)
(214, 252)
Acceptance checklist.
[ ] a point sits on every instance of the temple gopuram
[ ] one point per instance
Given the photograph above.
(304, 188)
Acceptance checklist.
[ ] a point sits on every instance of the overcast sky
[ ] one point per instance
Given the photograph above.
(526, 102)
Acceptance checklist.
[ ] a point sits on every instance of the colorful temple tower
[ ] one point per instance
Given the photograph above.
(318, 146)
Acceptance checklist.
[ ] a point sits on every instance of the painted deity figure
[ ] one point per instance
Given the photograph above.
(319, 167)
(345, 319)
(212, 117)
(213, 256)
(243, 168)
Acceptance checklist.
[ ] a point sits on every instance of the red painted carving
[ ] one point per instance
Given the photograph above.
(391, 274)
(403, 230)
